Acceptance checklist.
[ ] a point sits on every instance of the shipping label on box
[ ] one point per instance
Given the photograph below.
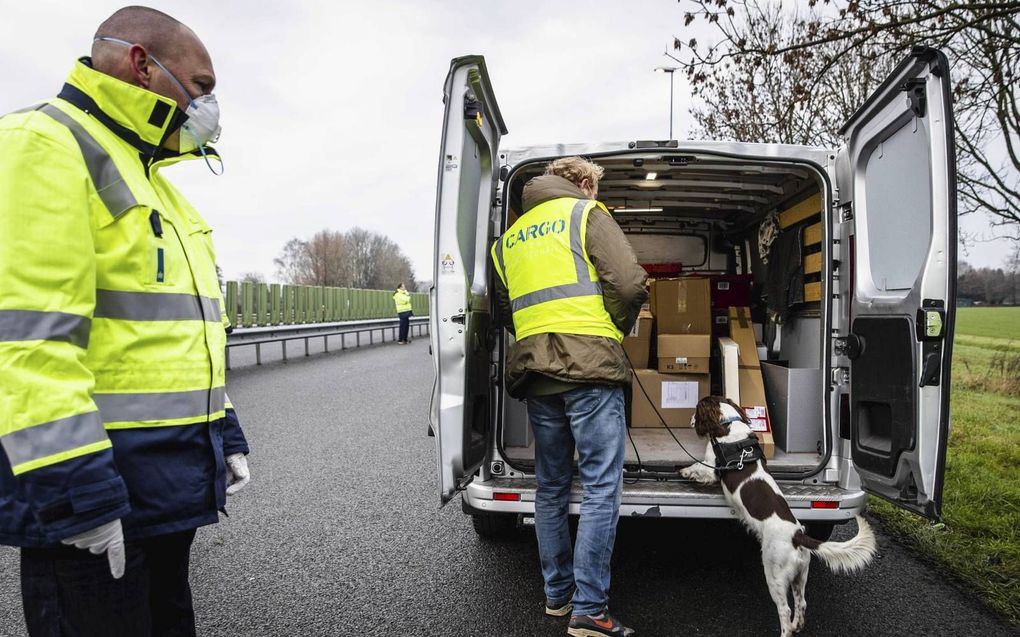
(759, 417)
(679, 394)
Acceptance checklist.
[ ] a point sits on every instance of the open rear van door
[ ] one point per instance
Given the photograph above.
(468, 170)
(896, 175)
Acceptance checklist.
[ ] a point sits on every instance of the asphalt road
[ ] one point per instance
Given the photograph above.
(339, 533)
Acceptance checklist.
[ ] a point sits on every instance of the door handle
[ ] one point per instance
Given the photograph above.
(930, 374)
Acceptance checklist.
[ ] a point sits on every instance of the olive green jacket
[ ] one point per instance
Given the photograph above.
(545, 364)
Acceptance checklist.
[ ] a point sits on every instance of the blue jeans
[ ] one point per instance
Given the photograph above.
(591, 418)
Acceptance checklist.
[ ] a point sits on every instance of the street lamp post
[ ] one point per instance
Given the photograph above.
(671, 70)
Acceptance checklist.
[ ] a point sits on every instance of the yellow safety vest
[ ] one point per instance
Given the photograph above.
(111, 315)
(402, 299)
(553, 285)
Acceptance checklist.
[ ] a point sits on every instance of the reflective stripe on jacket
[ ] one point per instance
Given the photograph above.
(402, 299)
(111, 322)
(553, 285)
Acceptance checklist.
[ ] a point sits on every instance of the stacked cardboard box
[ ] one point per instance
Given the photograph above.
(671, 396)
(746, 386)
(683, 321)
(638, 343)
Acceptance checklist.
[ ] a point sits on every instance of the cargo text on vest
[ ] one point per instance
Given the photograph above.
(535, 230)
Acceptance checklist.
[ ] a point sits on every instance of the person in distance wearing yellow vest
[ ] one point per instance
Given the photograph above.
(569, 286)
(402, 301)
(117, 437)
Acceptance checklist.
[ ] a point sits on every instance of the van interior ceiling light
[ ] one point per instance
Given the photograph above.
(651, 176)
(639, 210)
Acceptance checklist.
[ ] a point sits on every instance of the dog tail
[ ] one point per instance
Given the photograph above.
(842, 557)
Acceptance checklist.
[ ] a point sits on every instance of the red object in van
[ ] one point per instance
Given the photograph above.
(663, 270)
(731, 290)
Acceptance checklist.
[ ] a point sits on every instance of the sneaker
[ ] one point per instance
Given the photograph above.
(559, 609)
(597, 626)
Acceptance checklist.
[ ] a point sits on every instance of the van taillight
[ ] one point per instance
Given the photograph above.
(824, 504)
(507, 497)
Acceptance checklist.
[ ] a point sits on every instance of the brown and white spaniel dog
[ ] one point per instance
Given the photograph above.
(785, 548)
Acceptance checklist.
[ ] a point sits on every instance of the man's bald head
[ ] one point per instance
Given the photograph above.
(158, 32)
(152, 33)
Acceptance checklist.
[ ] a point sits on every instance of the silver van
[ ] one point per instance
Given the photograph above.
(866, 338)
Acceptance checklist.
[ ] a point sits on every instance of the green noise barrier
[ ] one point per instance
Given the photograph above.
(261, 304)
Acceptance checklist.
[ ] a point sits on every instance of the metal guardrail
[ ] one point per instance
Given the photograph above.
(283, 334)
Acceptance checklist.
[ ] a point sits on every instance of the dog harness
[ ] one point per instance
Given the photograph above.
(732, 456)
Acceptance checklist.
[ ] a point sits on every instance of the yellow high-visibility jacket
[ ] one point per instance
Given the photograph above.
(112, 329)
(402, 300)
(552, 282)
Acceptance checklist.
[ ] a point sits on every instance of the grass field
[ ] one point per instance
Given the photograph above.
(992, 322)
(979, 540)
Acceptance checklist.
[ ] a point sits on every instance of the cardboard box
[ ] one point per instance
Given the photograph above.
(752, 399)
(684, 353)
(743, 384)
(638, 343)
(651, 294)
(742, 332)
(683, 306)
(675, 397)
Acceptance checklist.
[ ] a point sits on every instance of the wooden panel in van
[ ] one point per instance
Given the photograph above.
(813, 234)
(813, 291)
(801, 211)
(813, 263)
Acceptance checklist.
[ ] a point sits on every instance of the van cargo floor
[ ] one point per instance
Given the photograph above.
(658, 450)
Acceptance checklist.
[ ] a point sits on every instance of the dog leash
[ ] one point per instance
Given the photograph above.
(663, 421)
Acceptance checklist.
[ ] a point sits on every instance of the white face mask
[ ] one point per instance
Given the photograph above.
(203, 124)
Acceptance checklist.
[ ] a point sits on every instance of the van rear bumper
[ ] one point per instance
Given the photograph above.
(668, 499)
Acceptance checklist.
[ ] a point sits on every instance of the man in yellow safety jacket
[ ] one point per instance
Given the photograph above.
(402, 301)
(117, 437)
(569, 287)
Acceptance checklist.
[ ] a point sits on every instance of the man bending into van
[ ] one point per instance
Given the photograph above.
(569, 279)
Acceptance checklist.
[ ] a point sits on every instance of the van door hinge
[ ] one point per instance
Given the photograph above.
(850, 346)
(840, 376)
(846, 212)
(916, 96)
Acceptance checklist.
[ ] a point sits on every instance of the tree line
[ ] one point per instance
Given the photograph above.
(357, 258)
(989, 286)
(782, 75)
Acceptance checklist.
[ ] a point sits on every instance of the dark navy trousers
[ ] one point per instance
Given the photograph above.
(68, 592)
(405, 325)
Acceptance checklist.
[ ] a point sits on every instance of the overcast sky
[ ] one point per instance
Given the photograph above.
(331, 111)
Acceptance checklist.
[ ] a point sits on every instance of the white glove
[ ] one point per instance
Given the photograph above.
(109, 539)
(237, 472)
